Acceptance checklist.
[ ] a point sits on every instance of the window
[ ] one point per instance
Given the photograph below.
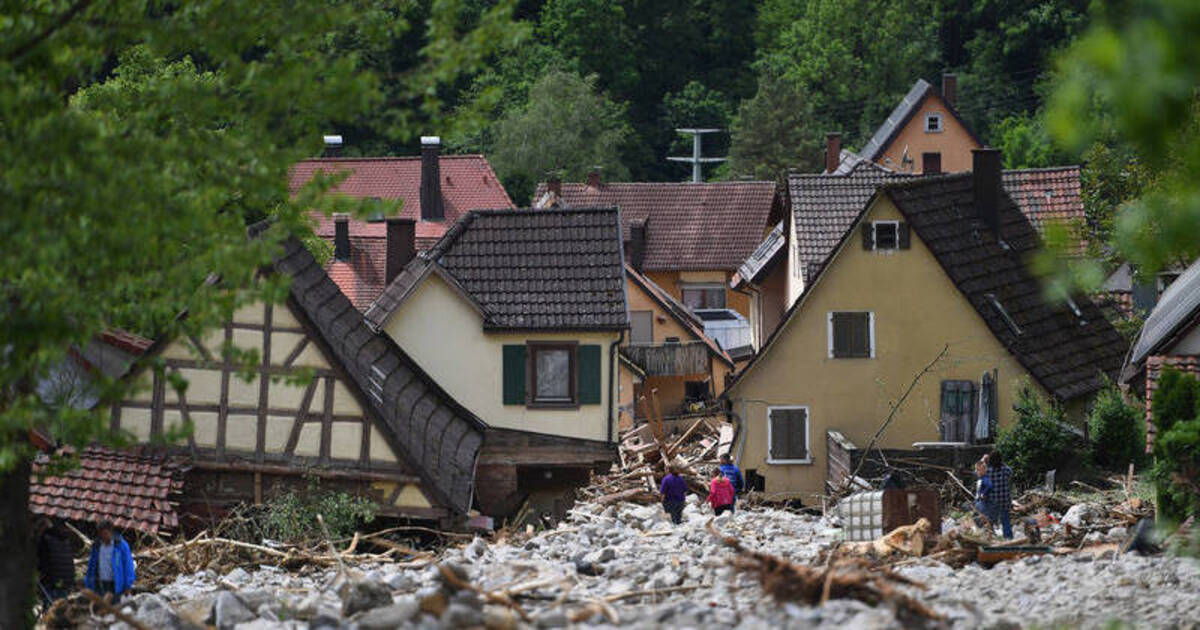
(552, 371)
(851, 335)
(552, 374)
(374, 209)
(958, 411)
(703, 296)
(931, 163)
(886, 235)
(641, 327)
(695, 390)
(787, 435)
(671, 340)
(933, 123)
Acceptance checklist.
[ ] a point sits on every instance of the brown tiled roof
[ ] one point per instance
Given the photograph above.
(528, 269)
(134, 491)
(678, 312)
(824, 206)
(1069, 353)
(691, 226)
(431, 432)
(468, 183)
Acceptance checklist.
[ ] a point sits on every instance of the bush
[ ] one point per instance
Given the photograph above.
(1117, 430)
(1038, 441)
(1177, 445)
(293, 515)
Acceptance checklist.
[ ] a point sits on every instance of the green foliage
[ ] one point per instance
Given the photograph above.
(698, 106)
(1133, 77)
(567, 127)
(772, 132)
(1117, 430)
(1177, 444)
(1037, 441)
(292, 516)
(1025, 143)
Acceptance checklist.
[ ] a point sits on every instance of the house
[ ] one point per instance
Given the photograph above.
(825, 205)
(329, 399)
(689, 239)
(518, 314)
(925, 302)
(923, 134)
(667, 353)
(1170, 337)
(435, 190)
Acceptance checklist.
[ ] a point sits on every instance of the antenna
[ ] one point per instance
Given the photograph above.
(696, 160)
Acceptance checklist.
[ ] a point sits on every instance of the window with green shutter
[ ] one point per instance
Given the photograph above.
(590, 375)
(851, 335)
(514, 375)
(787, 435)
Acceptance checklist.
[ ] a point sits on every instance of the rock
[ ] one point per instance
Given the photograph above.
(155, 612)
(1117, 534)
(433, 602)
(228, 611)
(401, 581)
(1080, 514)
(237, 576)
(551, 619)
(459, 615)
(458, 571)
(255, 599)
(365, 595)
(476, 549)
(1093, 538)
(388, 617)
(263, 624)
(325, 622)
(588, 568)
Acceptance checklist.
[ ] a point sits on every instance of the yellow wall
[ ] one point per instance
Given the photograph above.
(954, 142)
(444, 334)
(918, 310)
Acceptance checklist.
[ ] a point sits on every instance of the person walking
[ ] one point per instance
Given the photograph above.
(720, 493)
(673, 490)
(56, 561)
(110, 569)
(733, 474)
(996, 493)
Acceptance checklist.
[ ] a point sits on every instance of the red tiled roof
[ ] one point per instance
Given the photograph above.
(691, 226)
(468, 183)
(1048, 195)
(131, 490)
(125, 340)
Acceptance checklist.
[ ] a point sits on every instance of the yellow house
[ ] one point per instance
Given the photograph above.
(518, 315)
(925, 304)
(368, 421)
(667, 353)
(923, 134)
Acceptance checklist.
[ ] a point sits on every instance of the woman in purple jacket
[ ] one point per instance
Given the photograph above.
(673, 489)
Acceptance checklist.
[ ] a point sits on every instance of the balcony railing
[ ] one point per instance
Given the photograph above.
(669, 359)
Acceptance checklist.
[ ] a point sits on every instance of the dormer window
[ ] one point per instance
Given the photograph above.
(885, 235)
(933, 123)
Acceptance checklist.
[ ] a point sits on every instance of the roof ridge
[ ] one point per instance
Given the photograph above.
(390, 158)
(538, 211)
(691, 184)
(1042, 169)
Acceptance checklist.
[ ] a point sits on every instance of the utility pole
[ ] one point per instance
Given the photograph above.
(696, 160)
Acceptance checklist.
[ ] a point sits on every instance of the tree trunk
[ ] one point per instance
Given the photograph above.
(17, 590)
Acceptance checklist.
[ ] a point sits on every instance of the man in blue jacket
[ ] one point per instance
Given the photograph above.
(110, 569)
(734, 475)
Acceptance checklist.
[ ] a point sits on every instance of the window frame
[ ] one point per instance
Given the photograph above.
(940, 122)
(875, 235)
(704, 286)
(937, 156)
(807, 435)
(632, 327)
(870, 333)
(531, 350)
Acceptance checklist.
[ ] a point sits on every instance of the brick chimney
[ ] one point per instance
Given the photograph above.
(985, 184)
(950, 89)
(341, 236)
(401, 245)
(833, 151)
(431, 181)
(637, 243)
(593, 179)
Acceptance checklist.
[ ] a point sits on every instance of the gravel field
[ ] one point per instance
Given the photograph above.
(600, 554)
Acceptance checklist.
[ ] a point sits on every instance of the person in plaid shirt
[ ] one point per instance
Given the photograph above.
(995, 493)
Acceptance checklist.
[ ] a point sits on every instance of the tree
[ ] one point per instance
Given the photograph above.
(1025, 143)
(566, 128)
(137, 142)
(773, 132)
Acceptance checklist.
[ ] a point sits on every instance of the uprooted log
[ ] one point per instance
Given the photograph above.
(843, 578)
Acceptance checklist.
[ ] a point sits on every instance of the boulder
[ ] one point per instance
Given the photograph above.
(388, 617)
(228, 611)
(365, 595)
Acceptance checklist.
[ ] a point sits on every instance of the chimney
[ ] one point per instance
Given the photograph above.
(985, 183)
(833, 151)
(593, 179)
(333, 146)
(555, 186)
(401, 245)
(637, 243)
(950, 89)
(431, 182)
(341, 236)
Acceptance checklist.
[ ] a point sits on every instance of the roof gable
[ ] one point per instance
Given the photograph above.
(527, 270)
(690, 226)
(902, 115)
(1176, 310)
(1069, 353)
(677, 311)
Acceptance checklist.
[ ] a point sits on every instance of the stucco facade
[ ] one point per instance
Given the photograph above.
(443, 333)
(916, 312)
(953, 142)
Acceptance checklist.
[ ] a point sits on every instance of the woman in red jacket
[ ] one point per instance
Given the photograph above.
(720, 493)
